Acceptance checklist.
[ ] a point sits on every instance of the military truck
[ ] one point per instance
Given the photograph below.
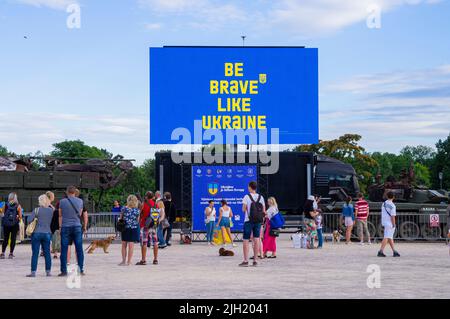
(302, 174)
(29, 181)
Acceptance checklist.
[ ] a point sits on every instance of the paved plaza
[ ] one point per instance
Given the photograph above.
(196, 271)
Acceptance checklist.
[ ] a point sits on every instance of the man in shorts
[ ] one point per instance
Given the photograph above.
(388, 213)
(249, 227)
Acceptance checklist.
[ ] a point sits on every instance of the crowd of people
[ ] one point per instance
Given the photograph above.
(148, 222)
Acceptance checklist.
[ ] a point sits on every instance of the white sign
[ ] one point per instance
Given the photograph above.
(434, 220)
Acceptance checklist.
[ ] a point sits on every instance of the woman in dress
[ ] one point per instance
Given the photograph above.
(131, 235)
(269, 242)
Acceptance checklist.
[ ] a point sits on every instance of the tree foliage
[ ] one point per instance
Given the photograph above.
(3, 151)
(441, 163)
(77, 148)
(346, 149)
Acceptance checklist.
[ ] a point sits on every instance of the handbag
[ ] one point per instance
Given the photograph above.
(121, 225)
(274, 232)
(165, 223)
(32, 226)
(21, 233)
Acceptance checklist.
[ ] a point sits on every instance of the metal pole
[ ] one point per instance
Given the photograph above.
(308, 179)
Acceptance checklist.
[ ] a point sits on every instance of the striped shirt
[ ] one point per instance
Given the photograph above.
(363, 209)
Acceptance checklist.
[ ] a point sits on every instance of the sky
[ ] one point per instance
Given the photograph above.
(390, 84)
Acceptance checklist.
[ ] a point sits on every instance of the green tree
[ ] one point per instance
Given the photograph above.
(346, 149)
(441, 163)
(419, 154)
(3, 151)
(78, 148)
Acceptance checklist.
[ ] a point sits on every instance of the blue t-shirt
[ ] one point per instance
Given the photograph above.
(348, 211)
(131, 217)
(117, 209)
(70, 217)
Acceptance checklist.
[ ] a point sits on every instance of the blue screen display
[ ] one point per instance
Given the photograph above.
(254, 89)
(217, 183)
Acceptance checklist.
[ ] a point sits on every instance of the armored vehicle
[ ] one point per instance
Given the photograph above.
(29, 180)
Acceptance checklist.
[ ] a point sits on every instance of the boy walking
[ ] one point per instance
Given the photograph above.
(388, 213)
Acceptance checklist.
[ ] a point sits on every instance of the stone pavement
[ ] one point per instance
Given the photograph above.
(196, 271)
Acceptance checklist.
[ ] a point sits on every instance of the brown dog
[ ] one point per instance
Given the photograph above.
(336, 237)
(225, 253)
(103, 243)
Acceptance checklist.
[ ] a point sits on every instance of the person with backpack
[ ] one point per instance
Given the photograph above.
(42, 235)
(144, 224)
(10, 223)
(70, 216)
(254, 209)
(270, 241)
(388, 213)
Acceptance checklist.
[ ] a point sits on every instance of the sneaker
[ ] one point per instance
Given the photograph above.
(32, 275)
(396, 254)
(234, 245)
(361, 243)
(243, 264)
(155, 262)
(2, 256)
(169, 244)
(63, 274)
(83, 273)
(369, 243)
(11, 256)
(381, 254)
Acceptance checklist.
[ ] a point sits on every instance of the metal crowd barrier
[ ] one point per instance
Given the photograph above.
(410, 226)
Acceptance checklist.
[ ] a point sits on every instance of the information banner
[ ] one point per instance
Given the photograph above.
(216, 183)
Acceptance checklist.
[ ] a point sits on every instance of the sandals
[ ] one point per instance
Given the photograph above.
(272, 257)
(155, 262)
(141, 263)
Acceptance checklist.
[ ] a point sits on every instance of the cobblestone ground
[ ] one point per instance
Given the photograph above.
(196, 271)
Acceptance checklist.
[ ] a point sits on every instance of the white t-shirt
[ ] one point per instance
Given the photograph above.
(212, 216)
(271, 211)
(388, 210)
(226, 212)
(246, 200)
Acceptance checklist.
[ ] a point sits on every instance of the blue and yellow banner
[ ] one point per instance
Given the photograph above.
(233, 88)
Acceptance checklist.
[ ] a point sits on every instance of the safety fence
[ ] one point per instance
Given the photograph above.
(410, 226)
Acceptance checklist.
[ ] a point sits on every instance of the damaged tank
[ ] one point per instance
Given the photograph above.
(33, 176)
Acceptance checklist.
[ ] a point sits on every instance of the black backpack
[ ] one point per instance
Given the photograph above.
(256, 215)
(10, 218)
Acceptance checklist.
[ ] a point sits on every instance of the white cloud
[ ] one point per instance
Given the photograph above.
(300, 17)
(408, 107)
(52, 4)
(153, 26)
